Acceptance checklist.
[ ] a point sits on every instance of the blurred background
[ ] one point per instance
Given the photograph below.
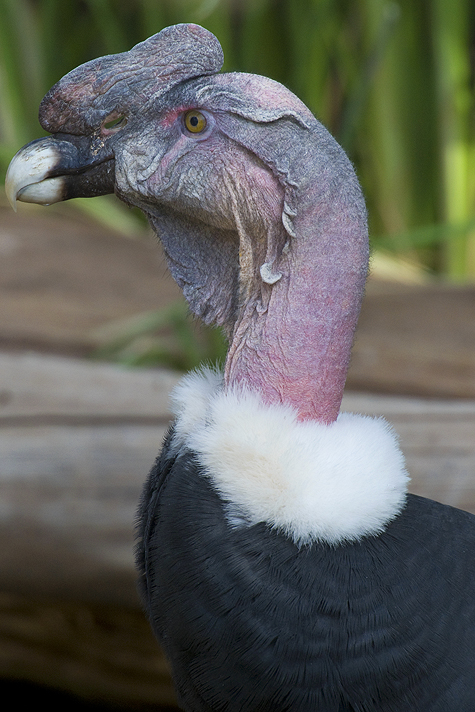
(85, 296)
(393, 81)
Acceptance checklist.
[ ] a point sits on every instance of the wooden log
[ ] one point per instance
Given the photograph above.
(437, 438)
(415, 340)
(39, 389)
(76, 442)
(100, 653)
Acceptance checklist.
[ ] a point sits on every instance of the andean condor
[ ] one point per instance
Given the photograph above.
(283, 564)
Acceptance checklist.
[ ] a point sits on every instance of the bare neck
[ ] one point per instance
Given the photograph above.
(292, 341)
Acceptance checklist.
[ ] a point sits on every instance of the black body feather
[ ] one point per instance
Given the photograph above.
(250, 621)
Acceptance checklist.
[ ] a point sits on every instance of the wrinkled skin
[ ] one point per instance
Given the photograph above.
(260, 214)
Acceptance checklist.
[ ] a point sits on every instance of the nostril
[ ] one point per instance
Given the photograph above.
(113, 123)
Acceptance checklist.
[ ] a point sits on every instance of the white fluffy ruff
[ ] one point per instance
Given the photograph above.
(315, 482)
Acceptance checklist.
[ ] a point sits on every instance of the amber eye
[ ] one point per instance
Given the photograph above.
(195, 121)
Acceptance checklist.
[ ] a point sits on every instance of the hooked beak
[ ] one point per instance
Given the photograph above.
(49, 170)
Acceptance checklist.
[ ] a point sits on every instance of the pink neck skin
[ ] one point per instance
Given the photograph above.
(297, 350)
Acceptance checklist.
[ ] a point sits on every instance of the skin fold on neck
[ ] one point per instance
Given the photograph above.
(292, 340)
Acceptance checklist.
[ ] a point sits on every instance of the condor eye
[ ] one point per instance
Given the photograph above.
(195, 121)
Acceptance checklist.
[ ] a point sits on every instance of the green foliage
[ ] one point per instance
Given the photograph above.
(169, 337)
(393, 81)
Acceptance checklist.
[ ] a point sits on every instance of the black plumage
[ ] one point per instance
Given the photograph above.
(251, 621)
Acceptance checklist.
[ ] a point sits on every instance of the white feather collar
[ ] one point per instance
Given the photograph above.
(315, 482)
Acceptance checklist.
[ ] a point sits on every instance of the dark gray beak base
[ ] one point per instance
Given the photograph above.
(56, 168)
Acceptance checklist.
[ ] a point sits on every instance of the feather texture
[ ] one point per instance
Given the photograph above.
(313, 481)
(251, 621)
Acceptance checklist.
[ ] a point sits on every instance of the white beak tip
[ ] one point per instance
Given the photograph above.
(30, 167)
(10, 189)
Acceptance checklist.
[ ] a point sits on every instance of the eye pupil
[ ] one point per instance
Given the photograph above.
(194, 120)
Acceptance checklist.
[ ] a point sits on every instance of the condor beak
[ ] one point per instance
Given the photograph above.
(27, 175)
(49, 170)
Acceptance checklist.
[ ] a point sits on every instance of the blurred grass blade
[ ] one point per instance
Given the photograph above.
(393, 81)
(107, 210)
(21, 76)
(427, 236)
(167, 337)
(451, 37)
(354, 108)
(107, 24)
